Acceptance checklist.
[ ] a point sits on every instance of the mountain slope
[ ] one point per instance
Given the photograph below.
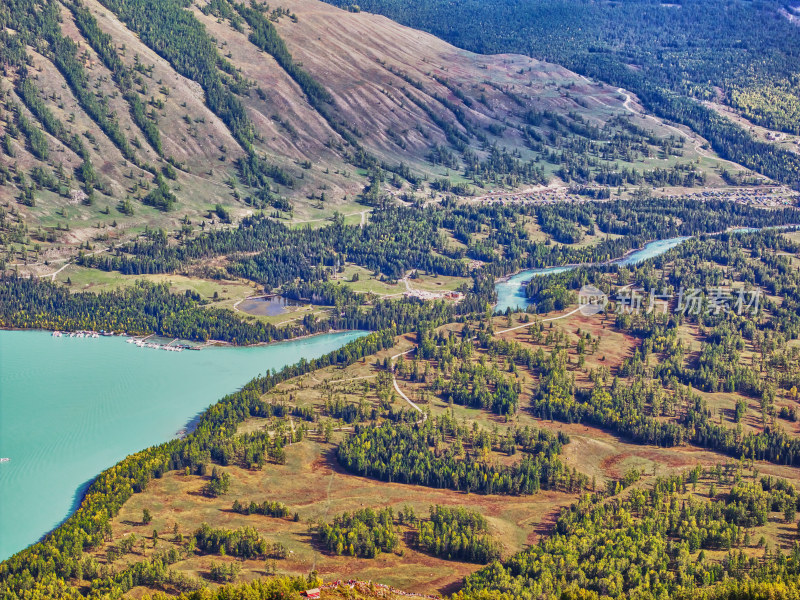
(121, 115)
(673, 55)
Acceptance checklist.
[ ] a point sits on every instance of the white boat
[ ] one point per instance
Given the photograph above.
(5, 459)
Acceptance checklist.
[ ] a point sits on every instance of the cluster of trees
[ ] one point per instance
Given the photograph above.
(350, 412)
(364, 533)
(477, 386)
(458, 533)
(449, 372)
(224, 572)
(422, 454)
(160, 197)
(219, 483)
(266, 508)
(244, 542)
(152, 572)
(649, 544)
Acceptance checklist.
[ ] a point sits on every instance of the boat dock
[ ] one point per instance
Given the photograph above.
(175, 345)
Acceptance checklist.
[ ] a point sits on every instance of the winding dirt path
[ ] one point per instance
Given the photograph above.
(397, 387)
(52, 275)
(696, 140)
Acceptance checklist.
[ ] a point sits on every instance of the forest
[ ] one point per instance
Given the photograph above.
(365, 533)
(640, 545)
(404, 453)
(656, 533)
(458, 533)
(403, 238)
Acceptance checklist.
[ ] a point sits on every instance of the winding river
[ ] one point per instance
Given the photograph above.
(71, 407)
(511, 294)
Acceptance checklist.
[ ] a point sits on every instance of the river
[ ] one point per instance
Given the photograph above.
(511, 294)
(71, 407)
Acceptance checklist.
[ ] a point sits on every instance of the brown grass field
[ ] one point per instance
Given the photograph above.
(312, 484)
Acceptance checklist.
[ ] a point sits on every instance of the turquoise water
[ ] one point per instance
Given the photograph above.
(511, 294)
(71, 407)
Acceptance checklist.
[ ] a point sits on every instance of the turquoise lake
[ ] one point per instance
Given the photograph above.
(71, 407)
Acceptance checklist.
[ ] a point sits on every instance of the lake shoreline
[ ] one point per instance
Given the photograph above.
(206, 344)
(72, 410)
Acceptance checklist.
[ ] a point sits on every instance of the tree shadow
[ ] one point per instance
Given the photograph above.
(75, 503)
(198, 493)
(451, 588)
(547, 525)
(329, 460)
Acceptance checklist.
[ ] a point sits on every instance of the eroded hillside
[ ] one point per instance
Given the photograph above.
(117, 116)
